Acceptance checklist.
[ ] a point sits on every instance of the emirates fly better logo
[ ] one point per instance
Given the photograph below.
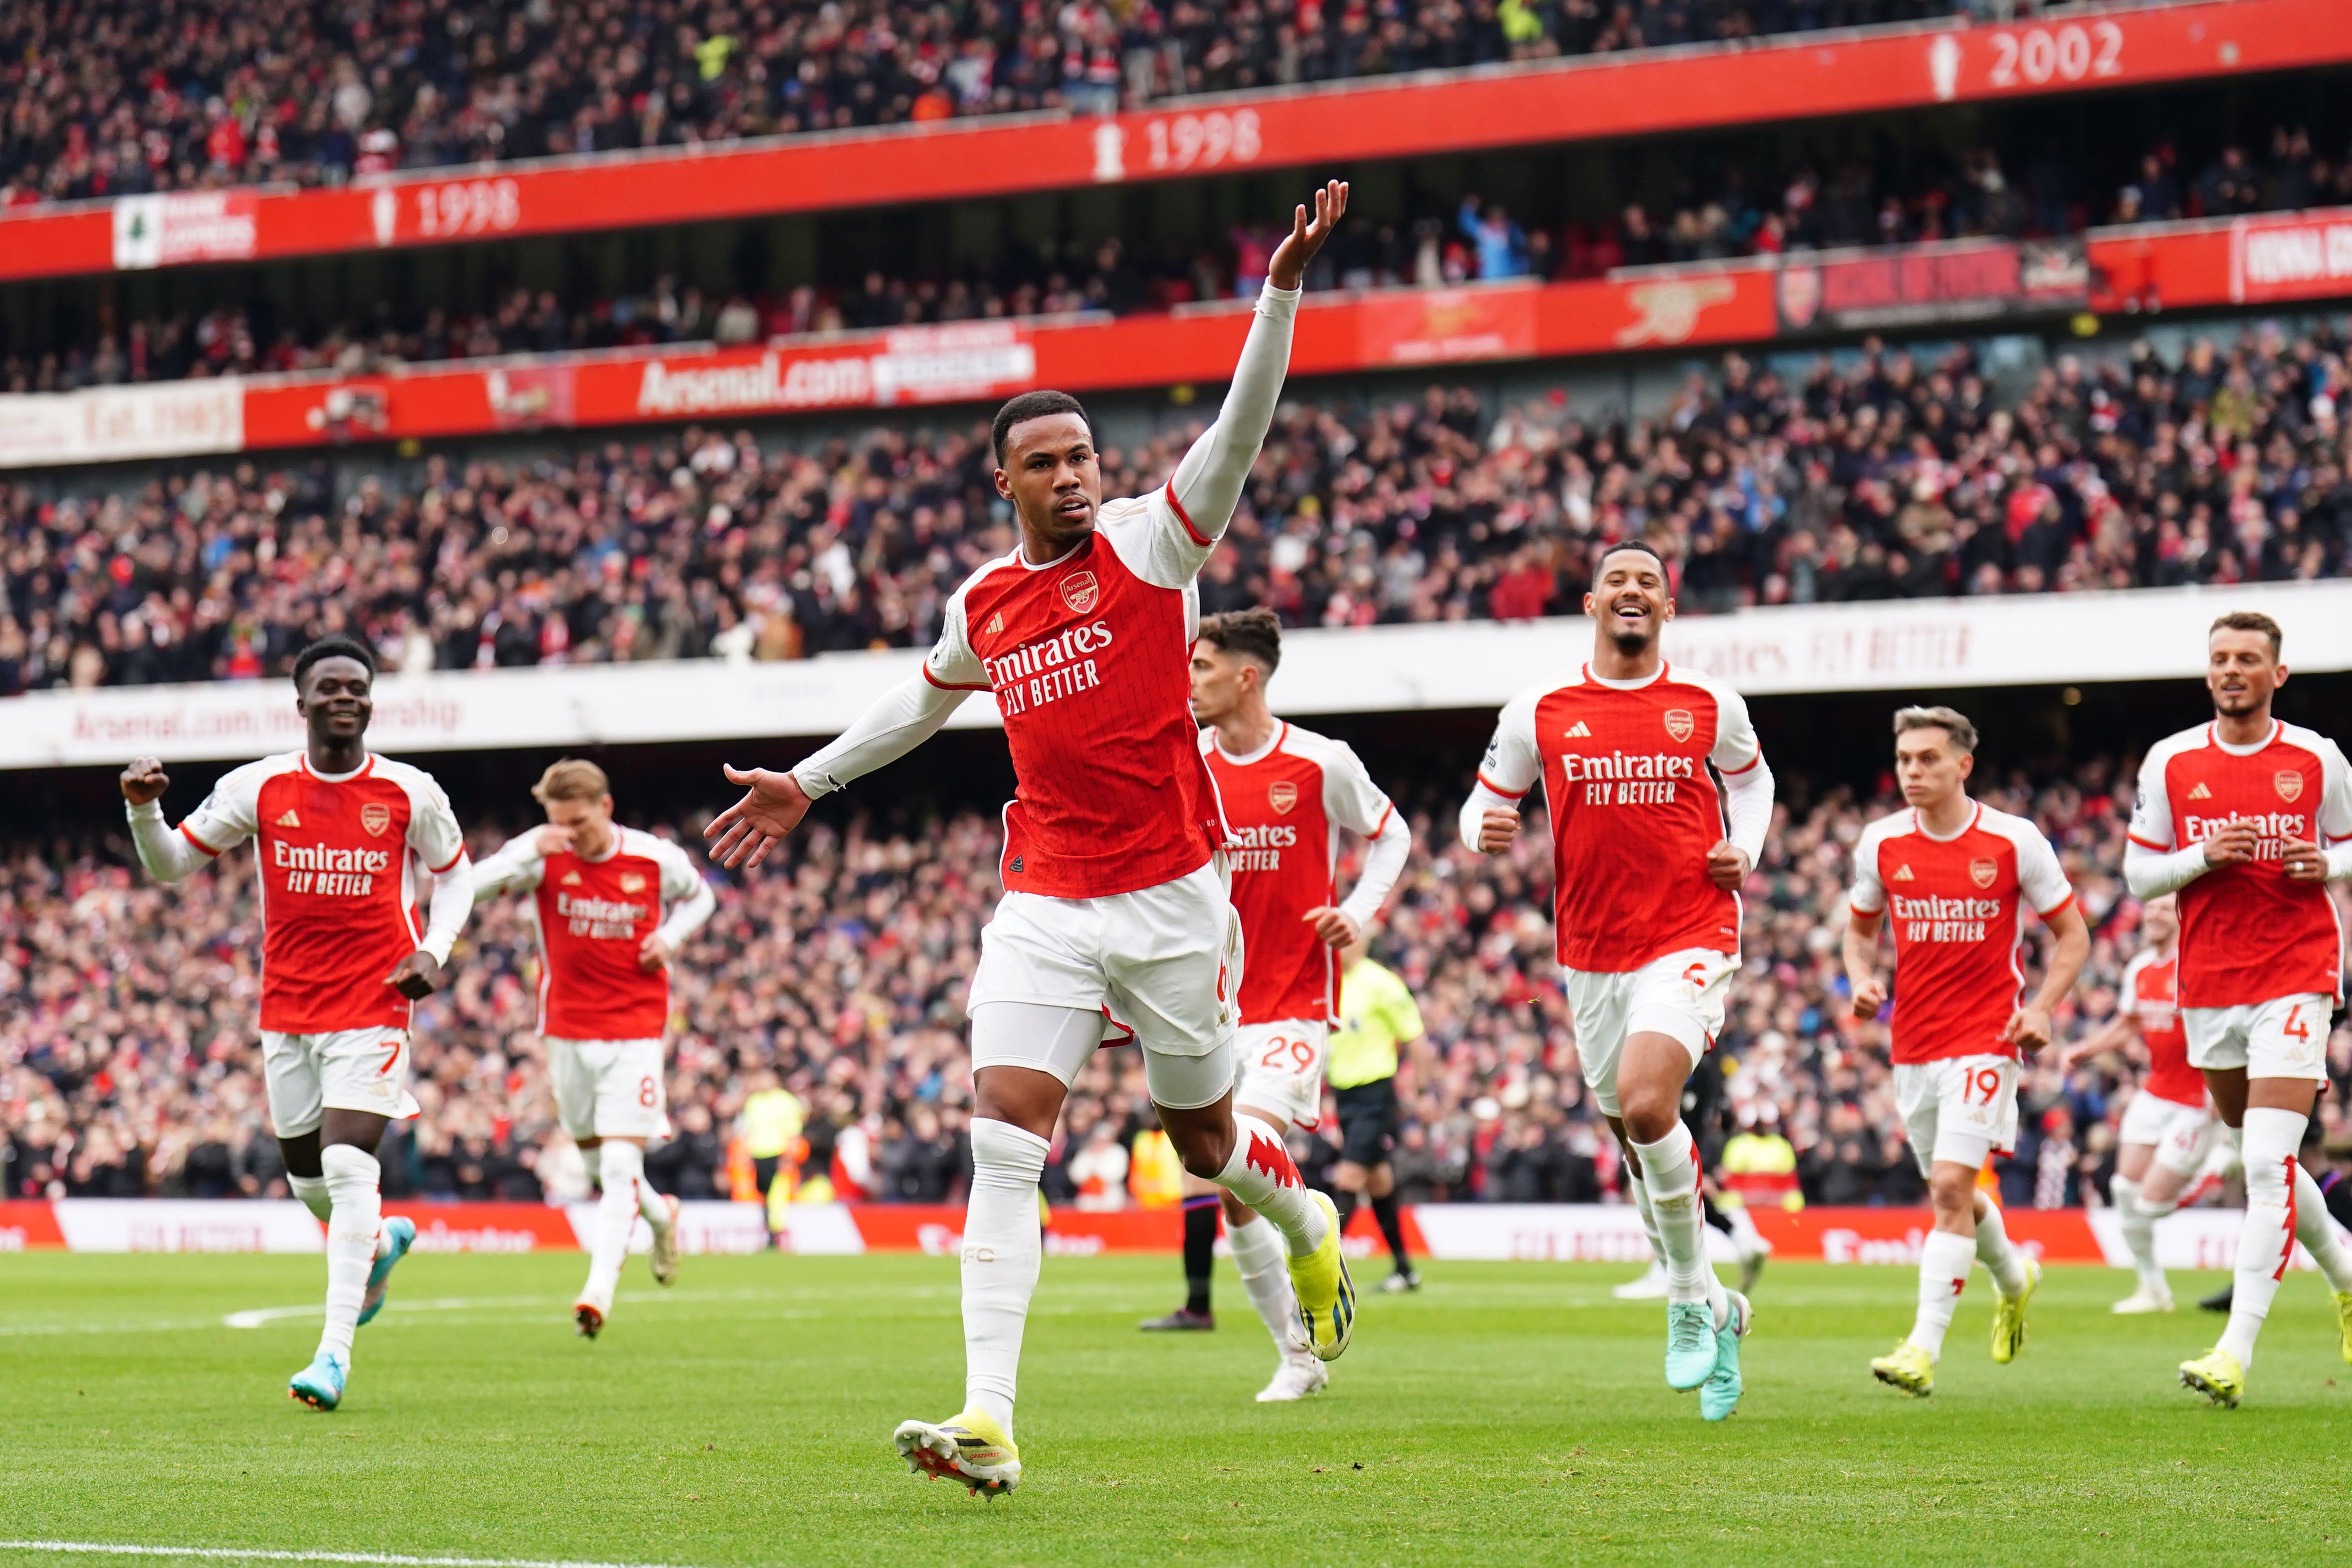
(1080, 591)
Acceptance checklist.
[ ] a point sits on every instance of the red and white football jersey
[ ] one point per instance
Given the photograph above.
(2150, 999)
(1088, 657)
(1635, 808)
(1286, 804)
(2247, 933)
(592, 915)
(338, 882)
(1957, 909)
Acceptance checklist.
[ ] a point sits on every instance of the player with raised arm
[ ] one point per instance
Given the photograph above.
(1659, 799)
(1287, 794)
(2168, 1128)
(1954, 878)
(613, 906)
(1115, 921)
(337, 834)
(2247, 820)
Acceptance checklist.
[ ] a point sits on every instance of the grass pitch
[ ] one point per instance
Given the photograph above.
(1509, 1413)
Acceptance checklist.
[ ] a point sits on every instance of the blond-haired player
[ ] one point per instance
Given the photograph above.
(613, 906)
(2169, 1128)
(1954, 878)
(2248, 820)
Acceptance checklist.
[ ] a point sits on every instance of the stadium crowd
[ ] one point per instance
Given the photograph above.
(1875, 477)
(1746, 210)
(134, 96)
(128, 1061)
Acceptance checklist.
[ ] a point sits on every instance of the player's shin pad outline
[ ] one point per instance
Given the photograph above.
(264, 1554)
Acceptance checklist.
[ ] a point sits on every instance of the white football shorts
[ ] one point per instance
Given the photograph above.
(609, 1088)
(1161, 966)
(1681, 995)
(2180, 1134)
(1959, 1108)
(1281, 1069)
(342, 1069)
(2285, 1037)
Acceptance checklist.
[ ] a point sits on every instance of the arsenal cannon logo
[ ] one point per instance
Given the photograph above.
(1982, 872)
(1679, 724)
(1080, 591)
(375, 817)
(1282, 795)
(2290, 785)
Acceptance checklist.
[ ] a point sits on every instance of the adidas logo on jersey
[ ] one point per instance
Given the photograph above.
(2200, 792)
(289, 820)
(1903, 873)
(570, 878)
(1581, 731)
(995, 624)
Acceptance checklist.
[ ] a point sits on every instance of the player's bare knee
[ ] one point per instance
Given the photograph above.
(1205, 1151)
(1954, 1193)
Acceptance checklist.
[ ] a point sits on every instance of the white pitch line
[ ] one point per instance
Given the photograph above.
(239, 1555)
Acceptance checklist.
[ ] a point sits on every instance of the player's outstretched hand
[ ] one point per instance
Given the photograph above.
(416, 976)
(144, 781)
(1727, 866)
(1496, 829)
(1869, 995)
(652, 953)
(1307, 234)
(772, 805)
(1334, 927)
(2234, 845)
(2303, 861)
(2029, 1029)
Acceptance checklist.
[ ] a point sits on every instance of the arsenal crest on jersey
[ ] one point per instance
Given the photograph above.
(2290, 785)
(375, 817)
(1679, 724)
(632, 882)
(1982, 872)
(1282, 795)
(1080, 591)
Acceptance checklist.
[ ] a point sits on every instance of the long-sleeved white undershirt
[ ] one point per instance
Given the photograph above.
(2151, 873)
(1747, 804)
(168, 856)
(901, 720)
(1384, 860)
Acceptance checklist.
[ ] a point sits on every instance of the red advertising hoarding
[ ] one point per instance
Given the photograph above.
(1636, 93)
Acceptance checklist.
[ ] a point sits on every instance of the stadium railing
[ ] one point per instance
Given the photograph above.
(2271, 259)
(1636, 93)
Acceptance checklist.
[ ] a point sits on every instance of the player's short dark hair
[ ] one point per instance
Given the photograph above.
(1253, 633)
(337, 647)
(1950, 720)
(2250, 621)
(1031, 405)
(1645, 546)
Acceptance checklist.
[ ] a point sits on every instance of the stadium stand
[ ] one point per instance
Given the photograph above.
(128, 1024)
(107, 101)
(1881, 478)
(1753, 209)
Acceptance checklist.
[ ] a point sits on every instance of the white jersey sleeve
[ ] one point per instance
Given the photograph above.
(953, 665)
(686, 898)
(2127, 989)
(1511, 767)
(516, 866)
(1869, 895)
(1350, 797)
(2151, 818)
(433, 830)
(232, 812)
(2040, 878)
(1736, 750)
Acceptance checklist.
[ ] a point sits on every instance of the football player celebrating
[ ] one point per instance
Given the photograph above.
(613, 906)
(1287, 794)
(338, 833)
(1954, 878)
(1659, 799)
(2247, 820)
(1115, 921)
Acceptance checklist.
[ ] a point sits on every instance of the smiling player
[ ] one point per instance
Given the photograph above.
(337, 834)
